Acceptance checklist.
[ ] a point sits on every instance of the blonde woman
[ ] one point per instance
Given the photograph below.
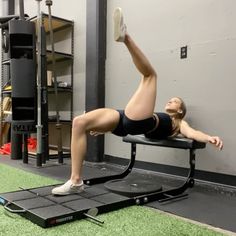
(138, 117)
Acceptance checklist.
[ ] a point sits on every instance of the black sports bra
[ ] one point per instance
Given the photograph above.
(164, 128)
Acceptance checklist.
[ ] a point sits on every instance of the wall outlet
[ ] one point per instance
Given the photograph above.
(183, 52)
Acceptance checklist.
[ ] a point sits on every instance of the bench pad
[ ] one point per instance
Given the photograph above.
(176, 142)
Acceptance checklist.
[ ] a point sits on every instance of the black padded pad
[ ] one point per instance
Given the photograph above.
(52, 211)
(46, 210)
(177, 142)
(34, 203)
(110, 198)
(17, 195)
(82, 204)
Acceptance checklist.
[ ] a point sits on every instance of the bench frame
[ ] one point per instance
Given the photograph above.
(164, 195)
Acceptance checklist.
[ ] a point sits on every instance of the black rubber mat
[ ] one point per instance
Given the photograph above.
(44, 209)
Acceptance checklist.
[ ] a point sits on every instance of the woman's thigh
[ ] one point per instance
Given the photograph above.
(142, 103)
(101, 120)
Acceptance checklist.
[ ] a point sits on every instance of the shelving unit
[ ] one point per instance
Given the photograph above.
(64, 39)
(5, 77)
(64, 55)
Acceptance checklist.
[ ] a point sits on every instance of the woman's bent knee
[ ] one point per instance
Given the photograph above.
(79, 123)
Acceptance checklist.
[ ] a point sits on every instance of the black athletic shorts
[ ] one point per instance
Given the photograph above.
(127, 126)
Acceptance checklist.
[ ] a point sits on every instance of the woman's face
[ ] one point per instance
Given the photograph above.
(173, 105)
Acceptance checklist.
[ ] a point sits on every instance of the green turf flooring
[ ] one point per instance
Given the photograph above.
(135, 220)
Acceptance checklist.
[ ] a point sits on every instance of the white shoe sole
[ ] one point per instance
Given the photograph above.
(118, 21)
(59, 191)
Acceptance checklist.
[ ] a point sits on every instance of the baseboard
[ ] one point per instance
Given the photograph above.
(217, 178)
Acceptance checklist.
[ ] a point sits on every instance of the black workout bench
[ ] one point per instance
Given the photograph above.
(179, 143)
(141, 190)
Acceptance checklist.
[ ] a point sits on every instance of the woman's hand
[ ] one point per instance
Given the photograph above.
(215, 140)
(95, 133)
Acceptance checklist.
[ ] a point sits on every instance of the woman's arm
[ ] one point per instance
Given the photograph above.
(197, 135)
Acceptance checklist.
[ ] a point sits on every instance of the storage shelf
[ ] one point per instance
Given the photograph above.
(22, 47)
(6, 92)
(6, 62)
(53, 154)
(24, 108)
(51, 90)
(59, 56)
(60, 89)
(61, 121)
(57, 22)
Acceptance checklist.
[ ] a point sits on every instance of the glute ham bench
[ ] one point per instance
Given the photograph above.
(151, 192)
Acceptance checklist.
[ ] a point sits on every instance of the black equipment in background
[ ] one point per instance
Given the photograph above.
(23, 75)
(19, 46)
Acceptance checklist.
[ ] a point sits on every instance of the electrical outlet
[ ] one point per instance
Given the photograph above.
(183, 52)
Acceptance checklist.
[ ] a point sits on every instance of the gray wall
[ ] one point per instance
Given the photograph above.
(205, 80)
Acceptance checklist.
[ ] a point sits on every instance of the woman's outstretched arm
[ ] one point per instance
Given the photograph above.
(197, 135)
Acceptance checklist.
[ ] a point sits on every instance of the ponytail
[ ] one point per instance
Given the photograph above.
(177, 117)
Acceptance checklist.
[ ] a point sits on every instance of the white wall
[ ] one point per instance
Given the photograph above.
(205, 80)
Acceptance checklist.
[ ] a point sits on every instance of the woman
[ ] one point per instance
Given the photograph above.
(137, 118)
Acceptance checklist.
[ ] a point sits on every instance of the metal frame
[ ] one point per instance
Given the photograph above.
(173, 193)
(123, 174)
(165, 195)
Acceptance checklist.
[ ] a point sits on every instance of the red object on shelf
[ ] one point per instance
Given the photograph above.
(32, 143)
(6, 148)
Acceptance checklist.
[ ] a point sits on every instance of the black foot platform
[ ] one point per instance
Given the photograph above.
(42, 208)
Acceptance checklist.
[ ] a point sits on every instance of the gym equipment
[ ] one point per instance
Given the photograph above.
(39, 89)
(23, 73)
(133, 187)
(19, 46)
(46, 210)
(127, 187)
(42, 125)
(58, 124)
(44, 97)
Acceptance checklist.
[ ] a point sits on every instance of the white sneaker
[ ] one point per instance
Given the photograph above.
(119, 26)
(68, 188)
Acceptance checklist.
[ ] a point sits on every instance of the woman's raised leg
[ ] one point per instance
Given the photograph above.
(142, 103)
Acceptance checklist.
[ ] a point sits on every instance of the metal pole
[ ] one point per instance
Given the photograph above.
(39, 122)
(58, 125)
(44, 102)
(11, 7)
(22, 14)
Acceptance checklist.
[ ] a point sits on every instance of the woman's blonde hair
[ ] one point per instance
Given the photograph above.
(177, 117)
